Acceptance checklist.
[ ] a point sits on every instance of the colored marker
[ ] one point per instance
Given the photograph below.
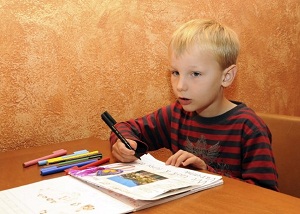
(76, 155)
(97, 163)
(77, 160)
(45, 161)
(56, 169)
(53, 155)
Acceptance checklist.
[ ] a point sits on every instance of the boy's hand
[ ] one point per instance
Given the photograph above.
(185, 158)
(123, 154)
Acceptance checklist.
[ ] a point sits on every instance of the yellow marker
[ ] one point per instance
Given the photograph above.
(60, 159)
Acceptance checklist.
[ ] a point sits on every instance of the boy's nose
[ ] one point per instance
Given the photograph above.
(181, 85)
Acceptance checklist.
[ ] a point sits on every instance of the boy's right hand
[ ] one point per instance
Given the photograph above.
(120, 151)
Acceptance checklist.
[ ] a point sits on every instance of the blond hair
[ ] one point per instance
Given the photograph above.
(207, 35)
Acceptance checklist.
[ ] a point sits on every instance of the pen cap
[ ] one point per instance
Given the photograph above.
(42, 162)
(108, 119)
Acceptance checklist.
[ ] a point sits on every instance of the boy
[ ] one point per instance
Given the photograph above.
(202, 128)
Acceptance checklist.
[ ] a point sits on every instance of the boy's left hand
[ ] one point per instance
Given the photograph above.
(185, 158)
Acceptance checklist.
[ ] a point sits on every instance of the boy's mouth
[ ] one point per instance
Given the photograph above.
(184, 101)
(183, 98)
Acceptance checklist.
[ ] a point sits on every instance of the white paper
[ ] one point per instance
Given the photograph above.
(63, 195)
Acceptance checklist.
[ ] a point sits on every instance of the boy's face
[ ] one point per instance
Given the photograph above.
(196, 79)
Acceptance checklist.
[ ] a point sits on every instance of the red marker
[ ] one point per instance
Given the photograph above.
(97, 163)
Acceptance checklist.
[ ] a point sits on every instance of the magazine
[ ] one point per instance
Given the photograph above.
(146, 182)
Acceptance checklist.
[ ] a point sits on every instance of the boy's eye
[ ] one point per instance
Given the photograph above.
(175, 73)
(196, 74)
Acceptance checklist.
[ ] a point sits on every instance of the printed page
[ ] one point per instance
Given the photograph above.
(62, 195)
(147, 179)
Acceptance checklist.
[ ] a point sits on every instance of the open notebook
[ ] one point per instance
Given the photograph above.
(113, 188)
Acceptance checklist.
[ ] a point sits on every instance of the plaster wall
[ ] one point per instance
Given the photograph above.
(63, 63)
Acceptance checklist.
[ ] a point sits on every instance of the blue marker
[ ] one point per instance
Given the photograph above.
(56, 169)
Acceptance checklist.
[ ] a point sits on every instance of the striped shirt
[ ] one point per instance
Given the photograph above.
(235, 144)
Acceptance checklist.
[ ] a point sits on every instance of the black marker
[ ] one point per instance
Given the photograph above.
(110, 121)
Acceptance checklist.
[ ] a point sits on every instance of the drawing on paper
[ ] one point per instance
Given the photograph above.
(50, 195)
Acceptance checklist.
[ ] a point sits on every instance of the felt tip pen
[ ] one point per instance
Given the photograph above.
(57, 169)
(60, 159)
(110, 122)
(97, 156)
(45, 161)
(97, 163)
(54, 154)
(78, 160)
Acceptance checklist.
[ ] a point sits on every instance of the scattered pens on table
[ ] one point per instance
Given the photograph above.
(75, 155)
(58, 161)
(45, 160)
(77, 160)
(79, 166)
(56, 169)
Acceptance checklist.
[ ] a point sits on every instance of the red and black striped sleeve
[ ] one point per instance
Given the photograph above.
(152, 130)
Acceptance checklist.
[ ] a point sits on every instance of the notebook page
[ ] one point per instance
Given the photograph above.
(61, 195)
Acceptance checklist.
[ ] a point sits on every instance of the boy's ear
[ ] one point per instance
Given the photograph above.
(229, 75)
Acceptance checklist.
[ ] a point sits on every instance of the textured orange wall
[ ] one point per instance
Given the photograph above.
(62, 63)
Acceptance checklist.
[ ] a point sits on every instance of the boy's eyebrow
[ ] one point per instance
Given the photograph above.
(190, 67)
(193, 66)
(170, 68)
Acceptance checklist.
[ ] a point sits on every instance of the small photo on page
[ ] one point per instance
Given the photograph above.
(137, 178)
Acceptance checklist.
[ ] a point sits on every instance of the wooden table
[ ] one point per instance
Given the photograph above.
(232, 197)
